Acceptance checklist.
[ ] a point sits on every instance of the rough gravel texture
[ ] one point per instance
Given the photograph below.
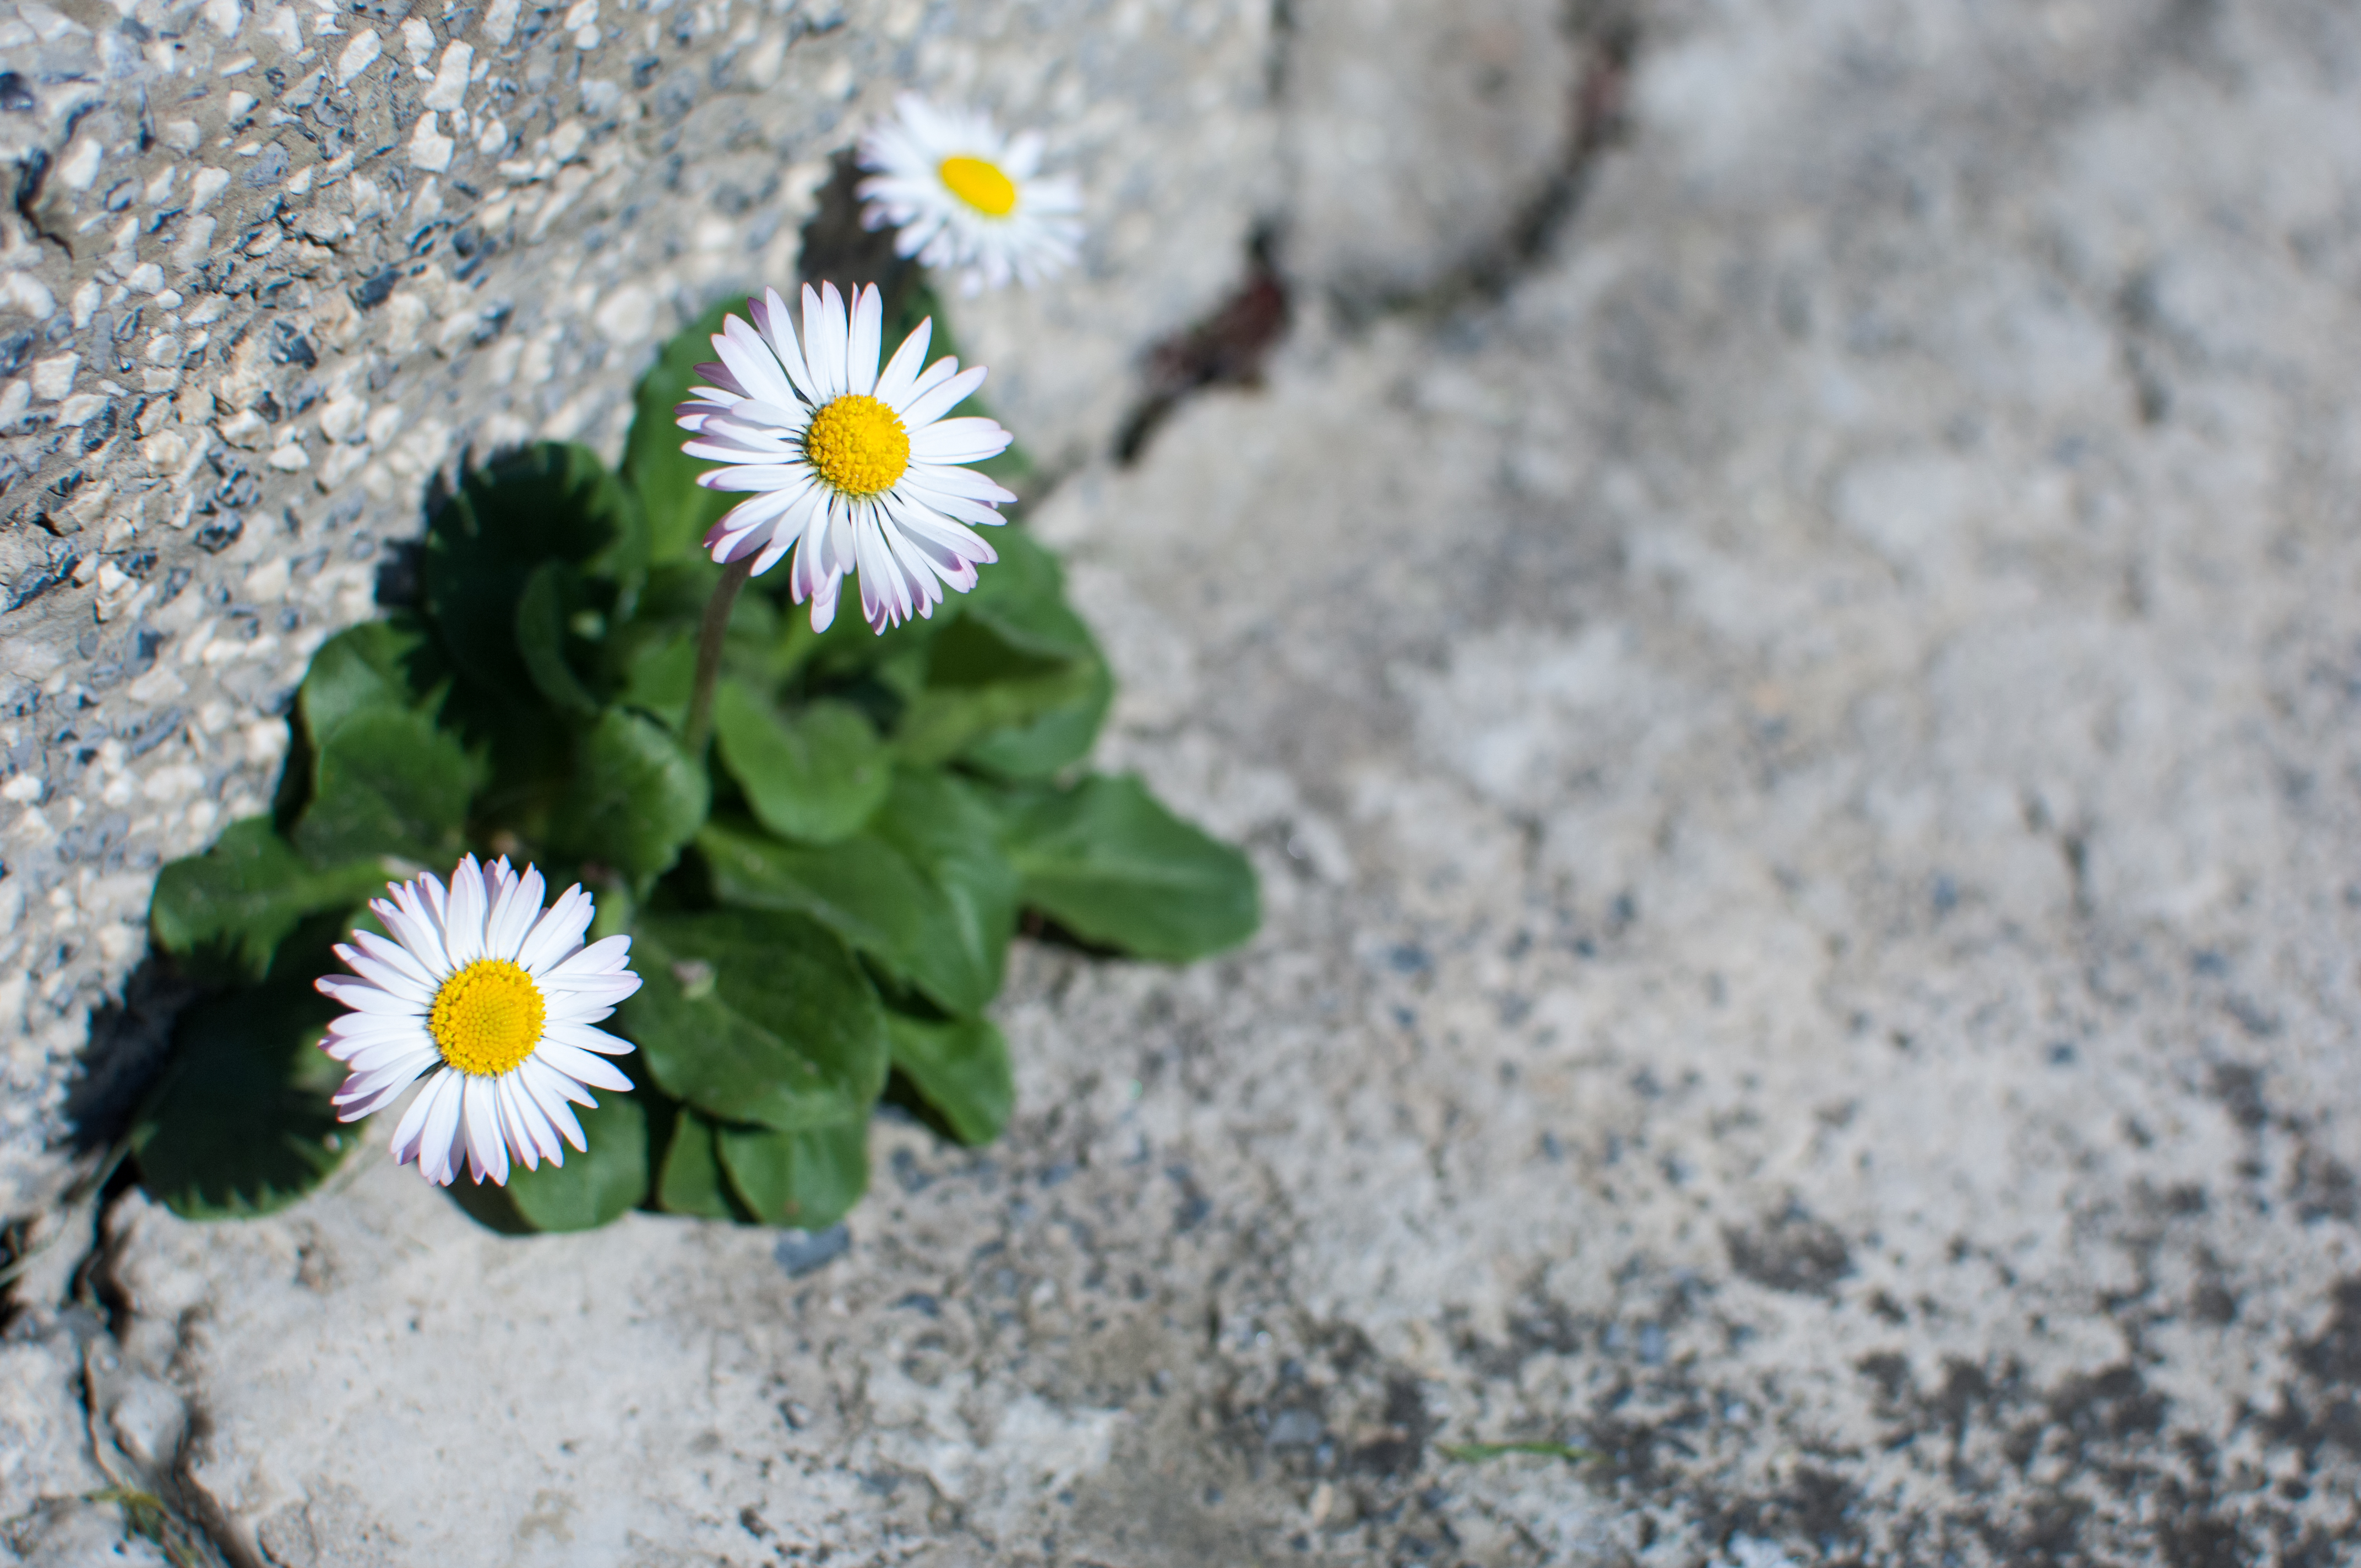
(1797, 711)
(271, 269)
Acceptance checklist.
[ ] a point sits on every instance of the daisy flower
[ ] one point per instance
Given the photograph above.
(854, 467)
(494, 994)
(966, 198)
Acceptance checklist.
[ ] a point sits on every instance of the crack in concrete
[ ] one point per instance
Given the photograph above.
(158, 1496)
(1231, 344)
(1607, 35)
(1228, 348)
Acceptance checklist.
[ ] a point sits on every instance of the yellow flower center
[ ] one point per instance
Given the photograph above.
(487, 1018)
(979, 183)
(858, 445)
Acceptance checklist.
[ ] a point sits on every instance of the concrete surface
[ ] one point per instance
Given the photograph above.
(1798, 727)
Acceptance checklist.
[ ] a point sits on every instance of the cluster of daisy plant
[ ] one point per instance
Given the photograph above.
(620, 870)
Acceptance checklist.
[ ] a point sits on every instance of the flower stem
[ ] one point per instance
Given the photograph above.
(710, 637)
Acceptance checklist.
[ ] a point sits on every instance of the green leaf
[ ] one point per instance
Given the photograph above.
(944, 828)
(551, 596)
(807, 1179)
(391, 665)
(387, 781)
(691, 1180)
(859, 889)
(815, 776)
(651, 657)
(922, 890)
(1023, 598)
(549, 502)
(224, 913)
(1051, 740)
(635, 799)
(1108, 862)
(232, 1130)
(660, 676)
(594, 1186)
(753, 1016)
(679, 511)
(378, 664)
(960, 1067)
(385, 778)
(978, 683)
(1017, 687)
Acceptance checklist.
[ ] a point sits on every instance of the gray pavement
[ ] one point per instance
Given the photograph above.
(1794, 693)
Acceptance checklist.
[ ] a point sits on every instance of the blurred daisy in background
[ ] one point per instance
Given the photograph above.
(497, 998)
(966, 198)
(854, 467)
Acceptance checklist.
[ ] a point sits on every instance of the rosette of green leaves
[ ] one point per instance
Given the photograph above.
(820, 907)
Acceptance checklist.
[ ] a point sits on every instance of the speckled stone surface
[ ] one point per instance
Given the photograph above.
(271, 269)
(1801, 747)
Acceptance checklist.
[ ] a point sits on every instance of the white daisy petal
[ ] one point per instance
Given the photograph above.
(438, 1140)
(360, 1108)
(495, 999)
(374, 1034)
(420, 934)
(604, 958)
(430, 894)
(855, 473)
(363, 997)
(898, 381)
(916, 569)
(578, 1000)
(515, 1135)
(585, 1036)
(394, 955)
(386, 977)
(965, 199)
(558, 932)
(782, 541)
(969, 439)
(928, 505)
(581, 1066)
(522, 907)
(361, 1097)
(942, 479)
(487, 1149)
(553, 1086)
(750, 360)
(823, 602)
(587, 1007)
(940, 399)
(772, 320)
(865, 342)
(749, 526)
(549, 1091)
(527, 1116)
(463, 914)
(825, 335)
(945, 537)
(768, 476)
(417, 1048)
(933, 375)
(413, 1126)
